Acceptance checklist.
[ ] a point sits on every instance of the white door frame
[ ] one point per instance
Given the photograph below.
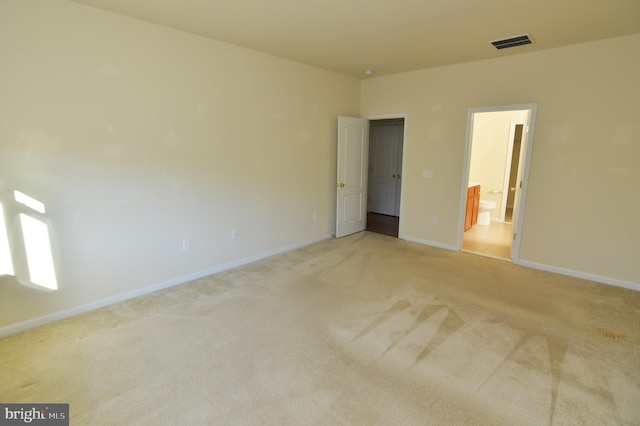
(517, 220)
(404, 116)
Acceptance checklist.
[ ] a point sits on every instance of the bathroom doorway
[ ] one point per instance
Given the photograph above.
(496, 159)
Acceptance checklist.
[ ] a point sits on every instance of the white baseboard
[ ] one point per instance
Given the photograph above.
(543, 267)
(428, 242)
(57, 316)
(578, 274)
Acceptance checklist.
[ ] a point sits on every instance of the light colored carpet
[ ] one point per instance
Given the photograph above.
(364, 330)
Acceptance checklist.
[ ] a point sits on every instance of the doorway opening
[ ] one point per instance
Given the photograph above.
(352, 174)
(384, 188)
(497, 157)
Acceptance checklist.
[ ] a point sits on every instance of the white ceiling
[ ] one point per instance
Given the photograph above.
(388, 36)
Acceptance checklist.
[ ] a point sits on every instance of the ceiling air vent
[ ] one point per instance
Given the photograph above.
(505, 43)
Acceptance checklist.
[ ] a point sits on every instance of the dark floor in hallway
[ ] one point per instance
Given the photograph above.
(383, 224)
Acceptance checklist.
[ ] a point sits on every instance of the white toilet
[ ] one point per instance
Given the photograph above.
(484, 212)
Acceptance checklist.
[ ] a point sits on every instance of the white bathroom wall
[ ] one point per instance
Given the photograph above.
(137, 136)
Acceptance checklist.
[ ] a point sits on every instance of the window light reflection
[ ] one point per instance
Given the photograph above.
(6, 262)
(38, 249)
(30, 202)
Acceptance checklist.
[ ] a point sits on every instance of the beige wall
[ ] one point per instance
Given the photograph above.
(582, 204)
(490, 151)
(136, 136)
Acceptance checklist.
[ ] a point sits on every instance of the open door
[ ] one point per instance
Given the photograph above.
(351, 183)
(514, 157)
(517, 189)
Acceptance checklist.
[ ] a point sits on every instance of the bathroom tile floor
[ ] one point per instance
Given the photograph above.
(493, 240)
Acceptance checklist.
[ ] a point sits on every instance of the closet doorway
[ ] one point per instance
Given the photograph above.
(386, 143)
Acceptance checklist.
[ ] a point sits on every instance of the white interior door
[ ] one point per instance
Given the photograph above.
(385, 165)
(351, 183)
(519, 186)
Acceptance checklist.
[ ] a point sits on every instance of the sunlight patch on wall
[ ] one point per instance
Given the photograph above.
(32, 249)
(38, 250)
(29, 202)
(6, 262)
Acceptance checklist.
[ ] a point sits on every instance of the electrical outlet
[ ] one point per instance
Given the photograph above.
(186, 245)
(235, 234)
(427, 174)
(435, 220)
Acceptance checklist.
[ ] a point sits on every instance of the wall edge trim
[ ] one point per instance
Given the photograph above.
(422, 241)
(541, 266)
(579, 274)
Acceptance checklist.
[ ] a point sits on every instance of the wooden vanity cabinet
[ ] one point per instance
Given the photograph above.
(473, 204)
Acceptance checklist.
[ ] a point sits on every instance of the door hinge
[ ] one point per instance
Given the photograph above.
(520, 184)
(527, 130)
(514, 236)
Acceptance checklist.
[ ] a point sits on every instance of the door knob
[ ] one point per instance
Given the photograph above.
(513, 188)
(339, 185)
